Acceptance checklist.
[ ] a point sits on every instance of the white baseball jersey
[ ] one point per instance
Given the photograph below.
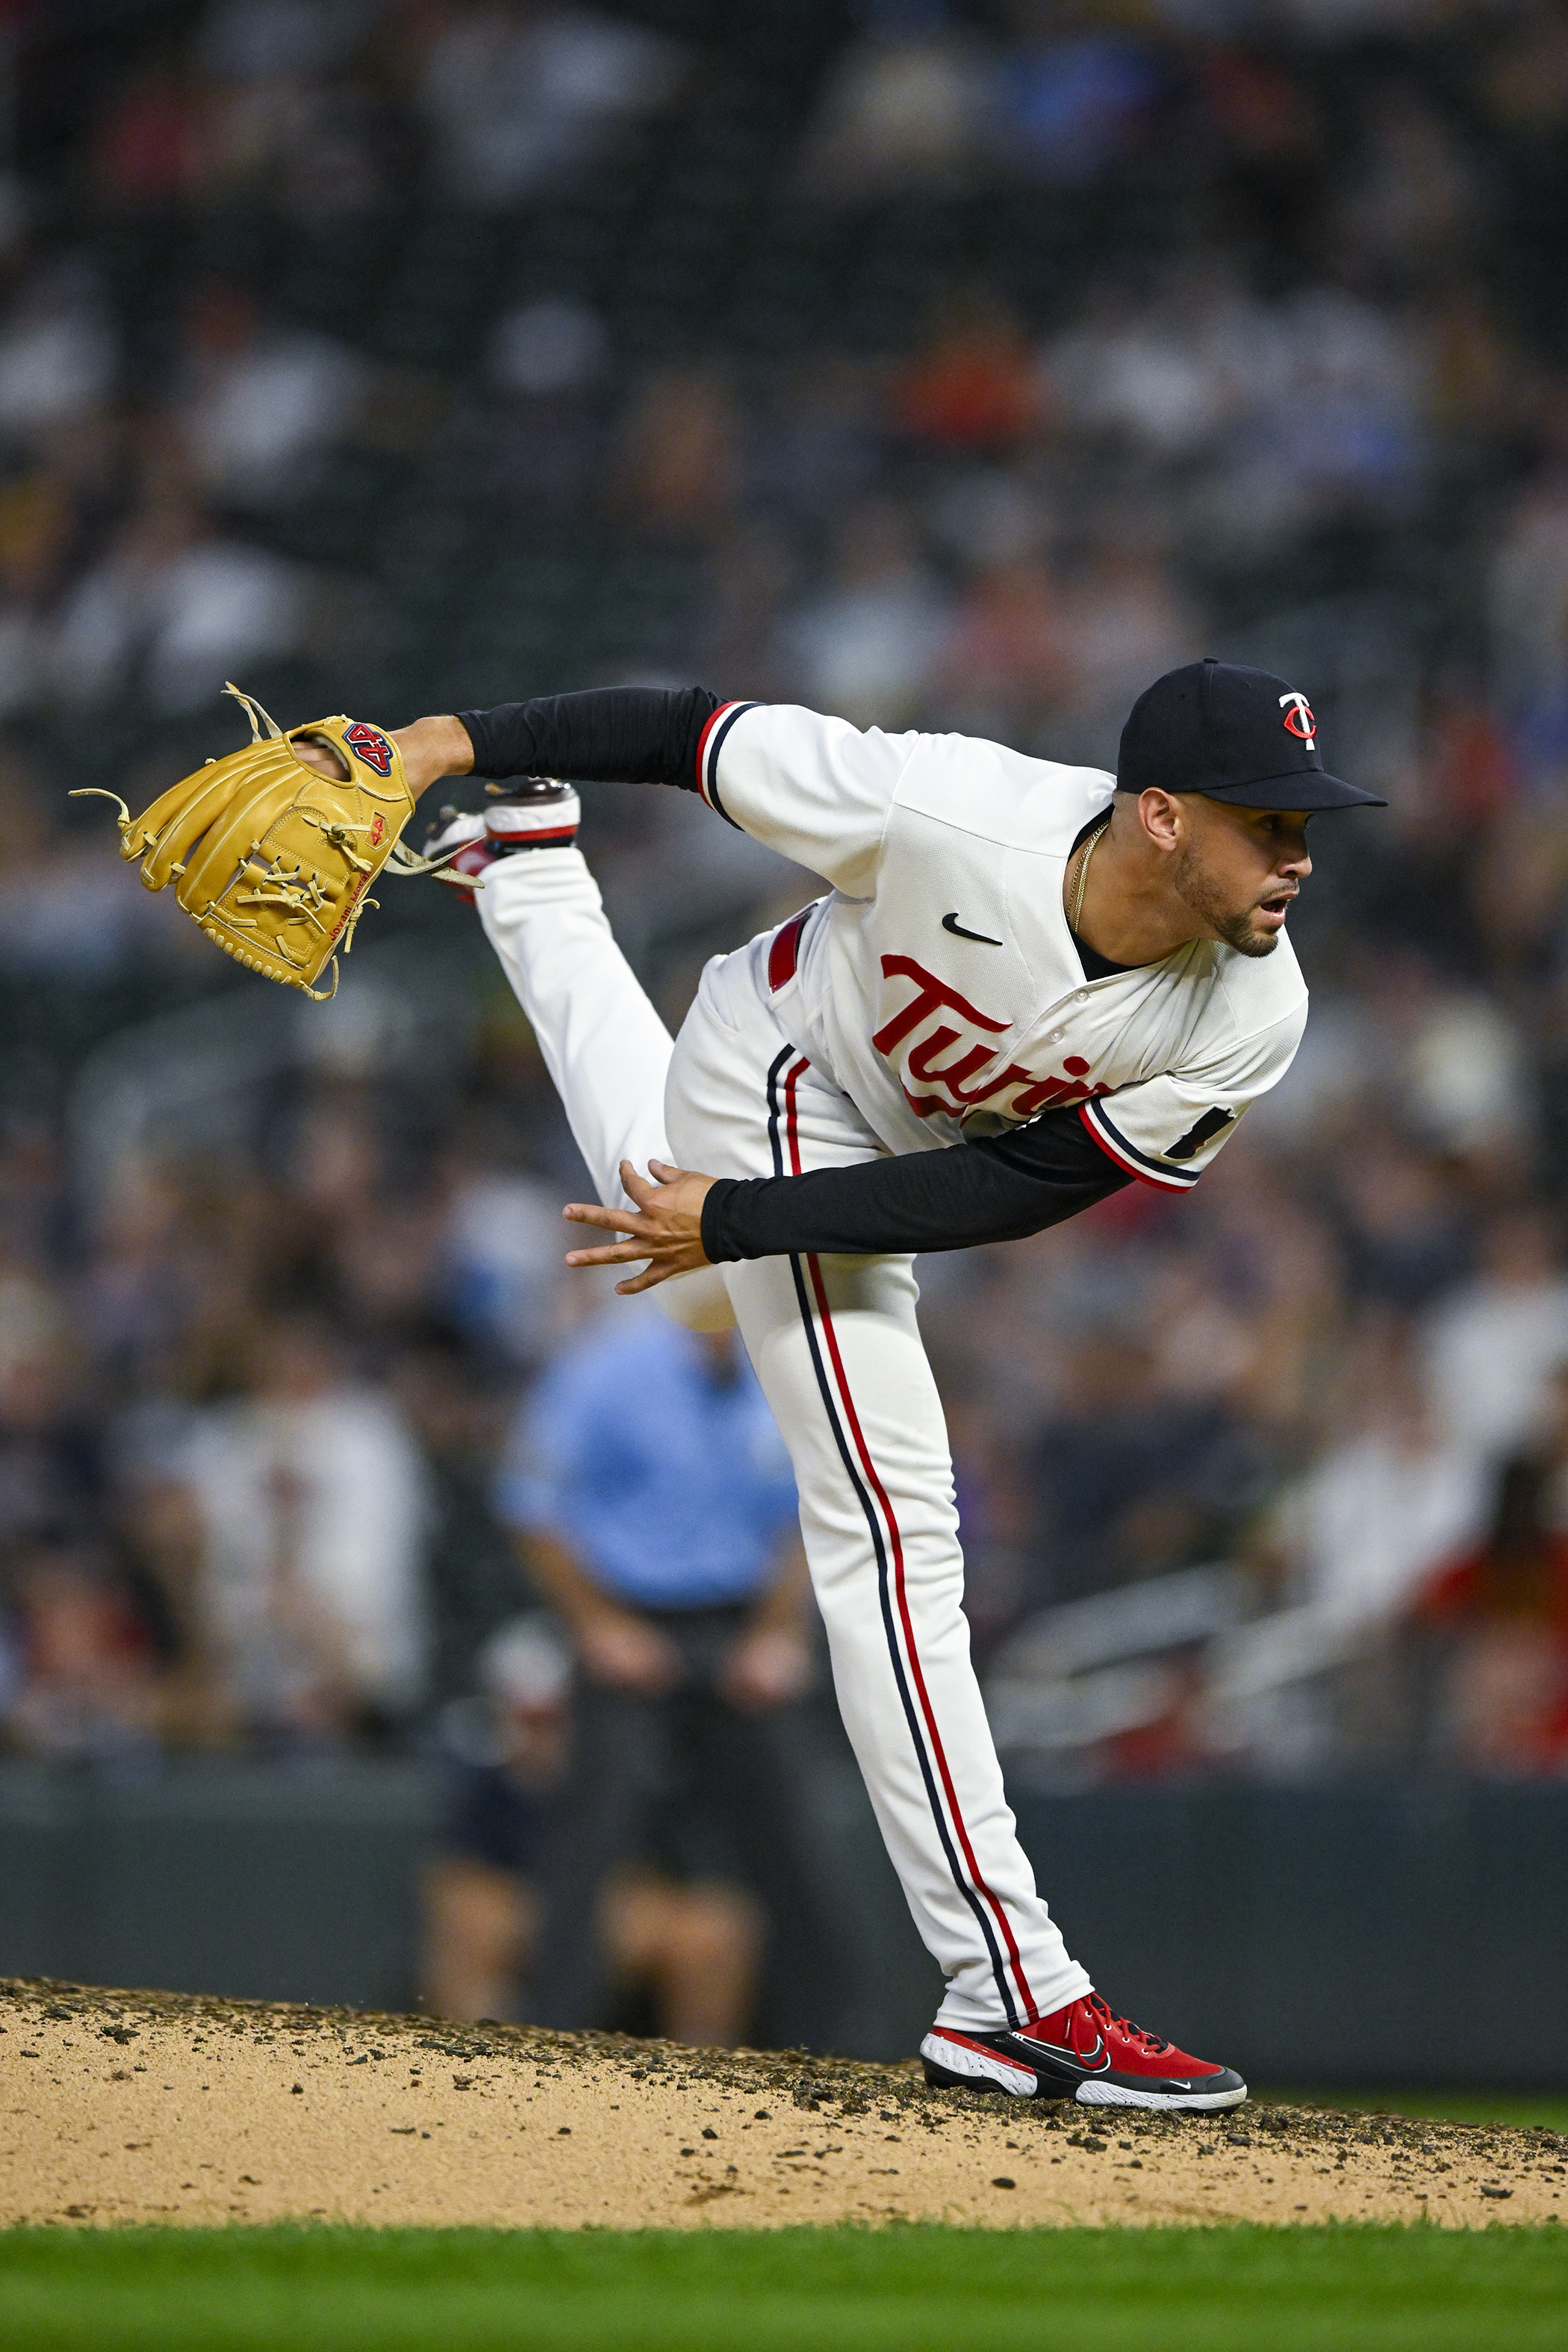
(939, 985)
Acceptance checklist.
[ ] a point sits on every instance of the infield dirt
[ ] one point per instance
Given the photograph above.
(122, 2107)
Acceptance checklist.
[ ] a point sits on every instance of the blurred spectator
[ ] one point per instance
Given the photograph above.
(171, 610)
(1504, 1704)
(57, 352)
(519, 95)
(313, 1515)
(902, 108)
(679, 470)
(165, 1293)
(66, 916)
(39, 525)
(33, 1165)
(1467, 1086)
(822, 447)
(86, 1681)
(1417, 200)
(266, 40)
(1362, 1530)
(150, 148)
(1405, 1227)
(1328, 431)
(1526, 82)
(1529, 596)
(1133, 1476)
(1006, 663)
(1495, 1342)
(160, 1539)
(1126, 622)
(51, 1470)
(480, 1893)
(549, 347)
(1065, 109)
(505, 1261)
(1326, 1680)
(259, 399)
(688, 1951)
(655, 1512)
(284, 112)
(1165, 372)
(973, 387)
(471, 1580)
(369, 1217)
(539, 439)
(866, 646)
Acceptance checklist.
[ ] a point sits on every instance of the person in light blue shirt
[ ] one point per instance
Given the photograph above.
(650, 1452)
(654, 1507)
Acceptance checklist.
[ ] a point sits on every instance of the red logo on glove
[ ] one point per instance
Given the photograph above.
(367, 743)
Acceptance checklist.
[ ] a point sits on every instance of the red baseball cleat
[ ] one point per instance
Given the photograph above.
(1084, 2053)
(535, 812)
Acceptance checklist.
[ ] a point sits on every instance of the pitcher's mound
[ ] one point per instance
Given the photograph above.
(140, 2106)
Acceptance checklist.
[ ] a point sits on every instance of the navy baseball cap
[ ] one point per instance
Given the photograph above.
(1234, 734)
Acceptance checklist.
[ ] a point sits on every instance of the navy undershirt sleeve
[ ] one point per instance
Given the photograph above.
(613, 734)
(994, 1190)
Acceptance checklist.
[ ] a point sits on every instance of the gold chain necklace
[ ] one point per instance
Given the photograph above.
(1089, 847)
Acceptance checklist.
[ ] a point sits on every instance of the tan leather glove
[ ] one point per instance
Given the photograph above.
(272, 858)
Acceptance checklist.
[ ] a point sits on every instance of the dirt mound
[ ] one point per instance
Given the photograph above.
(139, 2107)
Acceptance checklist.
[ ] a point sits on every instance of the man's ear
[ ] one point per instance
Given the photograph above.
(1162, 819)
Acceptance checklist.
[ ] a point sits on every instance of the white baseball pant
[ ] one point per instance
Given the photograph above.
(837, 1351)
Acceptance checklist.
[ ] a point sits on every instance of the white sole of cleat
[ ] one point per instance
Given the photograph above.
(982, 2067)
(1113, 2095)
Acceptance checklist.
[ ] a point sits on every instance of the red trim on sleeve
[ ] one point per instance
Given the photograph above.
(702, 742)
(1125, 1161)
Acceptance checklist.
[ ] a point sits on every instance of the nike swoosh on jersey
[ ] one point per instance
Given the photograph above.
(951, 923)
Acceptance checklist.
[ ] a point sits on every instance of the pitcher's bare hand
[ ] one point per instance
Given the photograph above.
(665, 1226)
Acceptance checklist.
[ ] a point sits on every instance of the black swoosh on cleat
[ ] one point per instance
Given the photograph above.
(1092, 2061)
(951, 923)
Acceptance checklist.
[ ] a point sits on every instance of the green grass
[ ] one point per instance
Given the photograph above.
(1523, 2112)
(904, 2290)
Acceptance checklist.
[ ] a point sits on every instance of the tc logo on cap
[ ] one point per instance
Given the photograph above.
(1298, 720)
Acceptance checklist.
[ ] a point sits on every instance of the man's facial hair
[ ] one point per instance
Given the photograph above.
(1194, 888)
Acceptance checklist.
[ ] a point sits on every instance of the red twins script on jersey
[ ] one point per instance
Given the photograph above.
(913, 1055)
(368, 744)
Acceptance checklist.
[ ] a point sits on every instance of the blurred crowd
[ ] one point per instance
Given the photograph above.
(958, 366)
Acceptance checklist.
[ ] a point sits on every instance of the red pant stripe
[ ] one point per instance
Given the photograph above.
(824, 1316)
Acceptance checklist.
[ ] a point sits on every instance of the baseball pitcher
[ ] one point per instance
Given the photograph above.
(1026, 986)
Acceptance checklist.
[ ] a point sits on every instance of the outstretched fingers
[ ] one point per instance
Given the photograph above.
(612, 1221)
(663, 1226)
(617, 1253)
(616, 1221)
